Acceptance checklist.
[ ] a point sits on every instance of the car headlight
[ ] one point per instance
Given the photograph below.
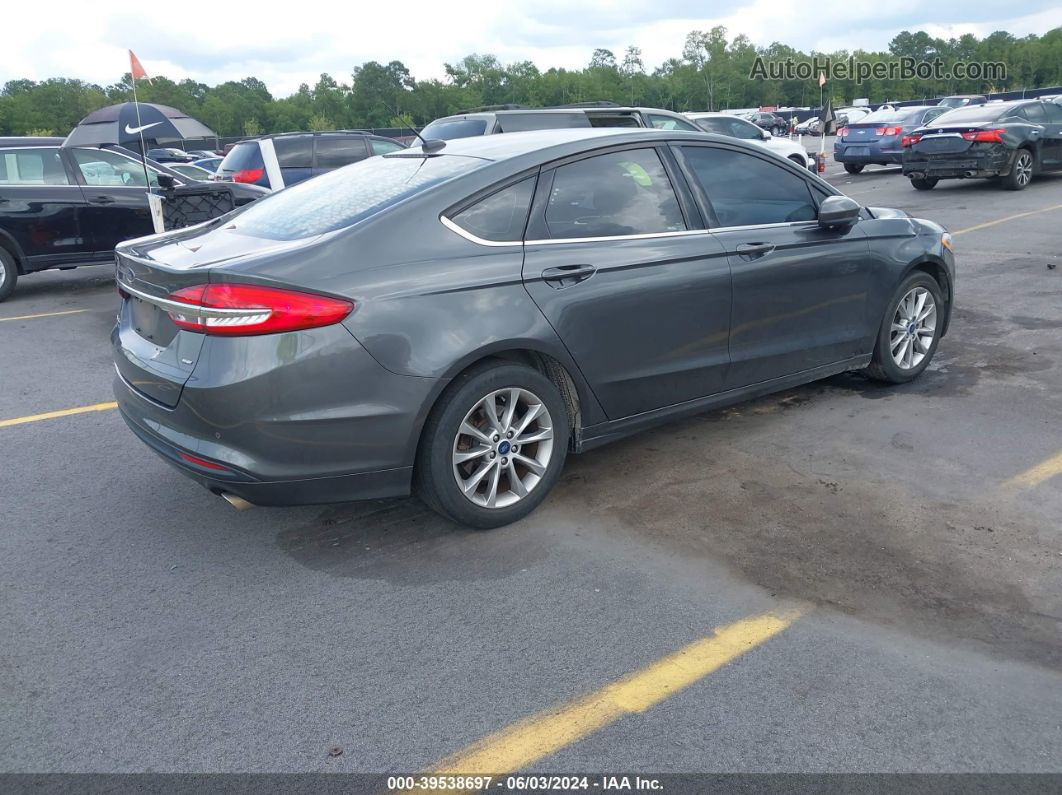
(945, 240)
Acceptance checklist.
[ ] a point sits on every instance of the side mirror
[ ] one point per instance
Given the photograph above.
(837, 212)
(166, 181)
(766, 135)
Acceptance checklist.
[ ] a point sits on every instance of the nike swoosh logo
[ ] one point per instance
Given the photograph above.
(134, 130)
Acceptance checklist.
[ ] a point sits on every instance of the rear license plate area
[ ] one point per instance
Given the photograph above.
(150, 322)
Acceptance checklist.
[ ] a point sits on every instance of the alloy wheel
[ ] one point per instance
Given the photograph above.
(913, 328)
(1023, 169)
(503, 448)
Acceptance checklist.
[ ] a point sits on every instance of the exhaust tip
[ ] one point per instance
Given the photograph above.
(239, 503)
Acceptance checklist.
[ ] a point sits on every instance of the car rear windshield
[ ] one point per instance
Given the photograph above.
(347, 195)
(241, 158)
(455, 128)
(972, 114)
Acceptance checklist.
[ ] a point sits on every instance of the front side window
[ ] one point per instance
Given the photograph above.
(620, 193)
(104, 169)
(501, 216)
(336, 151)
(38, 166)
(745, 190)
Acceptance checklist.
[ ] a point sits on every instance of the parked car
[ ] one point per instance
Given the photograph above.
(511, 118)
(277, 161)
(209, 163)
(170, 155)
(192, 171)
(962, 100)
(736, 127)
(67, 207)
(808, 127)
(203, 154)
(877, 138)
(457, 321)
(1009, 140)
(771, 122)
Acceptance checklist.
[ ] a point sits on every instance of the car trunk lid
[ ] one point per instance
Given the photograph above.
(153, 355)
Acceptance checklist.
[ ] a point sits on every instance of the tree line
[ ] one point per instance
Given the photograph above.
(712, 73)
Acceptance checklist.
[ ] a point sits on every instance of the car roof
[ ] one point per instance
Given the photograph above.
(512, 145)
(31, 140)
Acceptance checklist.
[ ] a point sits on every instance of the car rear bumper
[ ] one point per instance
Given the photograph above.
(862, 154)
(308, 419)
(960, 165)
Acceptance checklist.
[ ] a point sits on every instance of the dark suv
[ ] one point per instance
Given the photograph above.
(61, 207)
(514, 118)
(771, 122)
(276, 161)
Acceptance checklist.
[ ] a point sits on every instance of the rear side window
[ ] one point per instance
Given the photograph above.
(1053, 111)
(448, 130)
(294, 151)
(32, 167)
(1035, 113)
(620, 193)
(344, 197)
(624, 120)
(522, 122)
(336, 151)
(501, 216)
(383, 147)
(670, 123)
(745, 190)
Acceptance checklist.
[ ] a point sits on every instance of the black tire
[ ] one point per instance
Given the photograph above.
(1021, 171)
(8, 275)
(924, 183)
(882, 366)
(853, 168)
(434, 474)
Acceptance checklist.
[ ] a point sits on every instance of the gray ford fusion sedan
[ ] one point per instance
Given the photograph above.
(456, 321)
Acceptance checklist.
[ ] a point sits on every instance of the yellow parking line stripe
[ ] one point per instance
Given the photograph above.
(517, 746)
(1036, 475)
(1004, 220)
(43, 314)
(51, 415)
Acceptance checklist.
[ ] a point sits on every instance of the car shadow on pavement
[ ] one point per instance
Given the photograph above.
(404, 542)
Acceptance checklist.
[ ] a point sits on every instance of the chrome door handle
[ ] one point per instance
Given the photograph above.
(754, 250)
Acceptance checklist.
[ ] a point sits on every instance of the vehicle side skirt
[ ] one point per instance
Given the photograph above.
(605, 432)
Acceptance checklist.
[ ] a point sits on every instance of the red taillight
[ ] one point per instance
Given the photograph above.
(910, 140)
(202, 462)
(985, 136)
(841, 133)
(889, 130)
(249, 175)
(237, 310)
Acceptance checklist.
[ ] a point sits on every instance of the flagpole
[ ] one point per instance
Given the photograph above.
(143, 147)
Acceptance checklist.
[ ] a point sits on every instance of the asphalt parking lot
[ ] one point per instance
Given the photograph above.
(884, 562)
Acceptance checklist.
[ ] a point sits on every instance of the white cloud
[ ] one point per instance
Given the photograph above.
(267, 40)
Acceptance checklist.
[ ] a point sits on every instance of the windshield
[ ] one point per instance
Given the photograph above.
(973, 114)
(448, 130)
(347, 195)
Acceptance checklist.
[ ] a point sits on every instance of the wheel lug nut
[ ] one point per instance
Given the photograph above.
(509, 435)
(496, 437)
(505, 462)
(493, 455)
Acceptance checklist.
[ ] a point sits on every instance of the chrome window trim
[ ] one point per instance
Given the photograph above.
(453, 227)
(646, 236)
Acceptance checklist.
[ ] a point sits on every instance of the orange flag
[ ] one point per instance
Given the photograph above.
(135, 66)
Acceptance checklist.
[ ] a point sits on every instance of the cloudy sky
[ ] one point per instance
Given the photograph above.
(287, 43)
